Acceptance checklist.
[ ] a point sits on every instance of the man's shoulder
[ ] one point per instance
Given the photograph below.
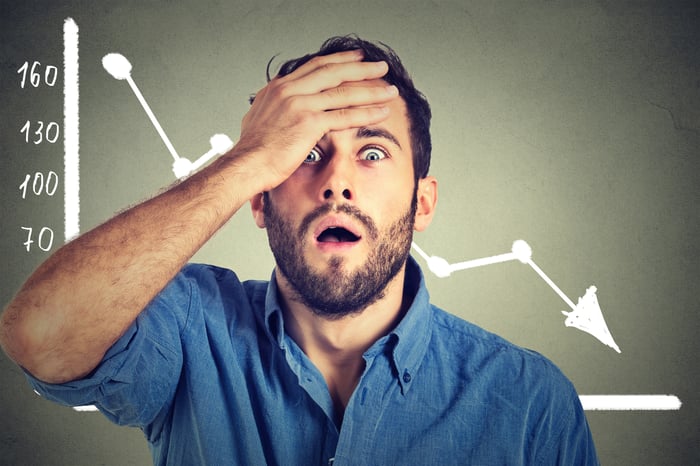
(518, 389)
(461, 331)
(212, 279)
(200, 271)
(213, 291)
(470, 344)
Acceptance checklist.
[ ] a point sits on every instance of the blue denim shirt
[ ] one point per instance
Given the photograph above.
(210, 375)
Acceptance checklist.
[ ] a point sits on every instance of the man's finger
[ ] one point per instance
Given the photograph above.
(344, 118)
(330, 76)
(347, 56)
(352, 96)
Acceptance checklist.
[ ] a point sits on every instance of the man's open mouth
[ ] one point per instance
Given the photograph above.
(337, 235)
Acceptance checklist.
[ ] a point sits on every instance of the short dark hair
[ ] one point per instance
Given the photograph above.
(417, 106)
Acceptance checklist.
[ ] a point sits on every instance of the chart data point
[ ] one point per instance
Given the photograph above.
(439, 266)
(182, 167)
(117, 65)
(220, 143)
(522, 251)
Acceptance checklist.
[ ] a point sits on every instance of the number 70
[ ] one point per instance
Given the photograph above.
(45, 238)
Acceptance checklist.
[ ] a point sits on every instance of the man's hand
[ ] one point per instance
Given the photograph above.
(292, 113)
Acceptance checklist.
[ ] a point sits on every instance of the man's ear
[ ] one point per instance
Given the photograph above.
(427, 196)
(257, 204)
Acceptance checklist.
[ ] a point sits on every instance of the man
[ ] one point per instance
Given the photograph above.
(340, 358)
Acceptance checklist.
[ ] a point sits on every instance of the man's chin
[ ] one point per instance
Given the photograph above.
(333, 291)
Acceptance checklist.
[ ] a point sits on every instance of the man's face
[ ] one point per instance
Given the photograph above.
(341, 226)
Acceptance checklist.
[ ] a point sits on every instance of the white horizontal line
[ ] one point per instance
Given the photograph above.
(591, 403)
(630, 402)
(85, 409)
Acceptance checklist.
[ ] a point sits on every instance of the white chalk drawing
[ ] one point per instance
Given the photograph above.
(120, 68)
(585, 316)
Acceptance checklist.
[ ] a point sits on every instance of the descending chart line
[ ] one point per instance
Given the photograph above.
(119, 67)
(585, 315)
(71, 131)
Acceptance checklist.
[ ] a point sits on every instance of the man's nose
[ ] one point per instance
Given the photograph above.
(337, 179)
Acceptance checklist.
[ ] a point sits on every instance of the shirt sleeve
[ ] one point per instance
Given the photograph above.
(576, 446)
(571, 443)
(138, 375)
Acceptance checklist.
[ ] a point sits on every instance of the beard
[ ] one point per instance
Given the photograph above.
(338, 293)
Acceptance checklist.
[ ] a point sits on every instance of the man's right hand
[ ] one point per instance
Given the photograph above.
(292, 113)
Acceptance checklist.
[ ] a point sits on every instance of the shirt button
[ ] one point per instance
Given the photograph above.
(406, 376)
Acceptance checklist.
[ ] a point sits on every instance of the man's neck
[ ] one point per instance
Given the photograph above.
(336, 346)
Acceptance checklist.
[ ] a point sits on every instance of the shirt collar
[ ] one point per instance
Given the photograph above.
(274, 322)
(408, 341)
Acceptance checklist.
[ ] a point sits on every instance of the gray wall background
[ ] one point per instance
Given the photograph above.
(574, 125)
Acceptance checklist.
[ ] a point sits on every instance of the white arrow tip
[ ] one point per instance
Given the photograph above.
(117, 65)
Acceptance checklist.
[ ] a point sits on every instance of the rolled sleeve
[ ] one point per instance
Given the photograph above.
(138, 375)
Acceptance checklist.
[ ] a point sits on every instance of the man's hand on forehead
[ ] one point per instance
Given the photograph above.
(293, 112)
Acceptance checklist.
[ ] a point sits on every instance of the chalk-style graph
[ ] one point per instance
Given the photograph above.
(585, 315)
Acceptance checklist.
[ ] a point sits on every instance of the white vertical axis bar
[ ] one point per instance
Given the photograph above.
(71, 130)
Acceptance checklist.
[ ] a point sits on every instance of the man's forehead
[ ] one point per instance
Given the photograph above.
(395, 136)
(395, 128)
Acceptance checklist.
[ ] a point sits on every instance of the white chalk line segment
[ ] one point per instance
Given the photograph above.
(470, 264)
(421, 253)
(71, 131)
(549, 282)
(220, 144)
(630, 402)
(152, 117)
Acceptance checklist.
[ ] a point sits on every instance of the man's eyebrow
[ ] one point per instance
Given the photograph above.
(367, 132)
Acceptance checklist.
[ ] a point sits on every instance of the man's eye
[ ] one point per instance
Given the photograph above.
(314, 156)
(372, 154)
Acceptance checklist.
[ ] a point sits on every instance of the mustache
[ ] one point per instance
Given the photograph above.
(347, 209)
